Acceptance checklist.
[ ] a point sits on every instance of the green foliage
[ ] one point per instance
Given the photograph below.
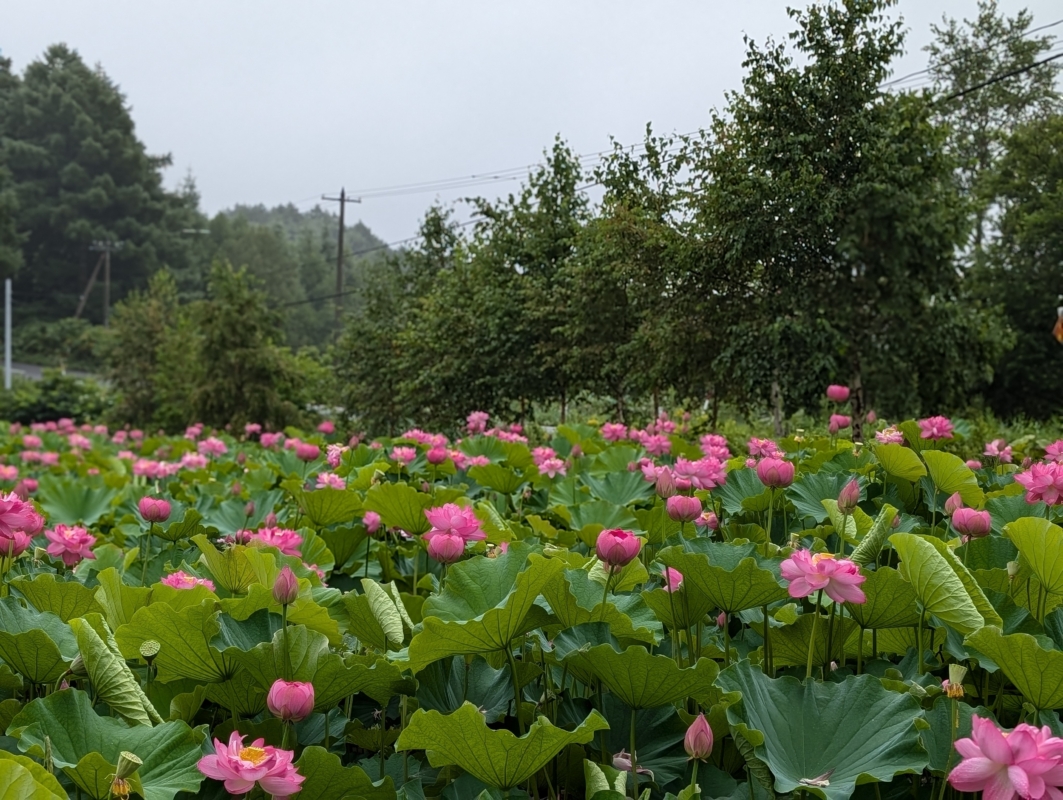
(55, 396)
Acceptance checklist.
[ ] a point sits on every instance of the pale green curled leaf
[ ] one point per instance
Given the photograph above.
(93, 775)
(112, 679)
(1041, 544)
(384, 611)
(729, 575)
(936, 584)
(118, 600)
(400, 506)
(37, 645)
(362, 622)
(169, 751)
(850, 527)
(974, 591)
(184, 637)
(185, 528)
(643, 680)
(328, 779)
(870, 546)
(22, 778)
(603, 778)
(900, 461)
(495, 757)
(1035, 671)
(65, 599)
(486, 604)
(891, 601)
(856, 730)
(576, 599)
(499, 478)
(230, 567)
(330, 506)
(951, 474)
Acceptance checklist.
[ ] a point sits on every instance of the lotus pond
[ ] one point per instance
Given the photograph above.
(609, 613)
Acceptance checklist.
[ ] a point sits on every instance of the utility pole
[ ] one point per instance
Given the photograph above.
(343, 200)
(7, 333)
(107, 246)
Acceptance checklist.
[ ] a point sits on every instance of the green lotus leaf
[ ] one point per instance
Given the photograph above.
(936, 584)
(241, 694)
(37, 645)
(604, 781)
(384, 611)
(659, 527)
(118, 600)
(362, 623)
(486, 604)
(184, 528)
(400, 506)
(951, 474)
(328, 779)
(184, 637)
(620, 488)
(499, 478)
(344, 543)
(169, 752)
(970, 584)
(1035, 671)
(855, 525)
(1041, 545)
(74, 501)
(592, 517)
(891, 601)
(937, 739)
(900, 462)
(229, 568)
(266, 660)
(496, 757)
(65, 599)
(678, 610)
(643, 680)
(789, 644)
(40, 784)
(728, 575)
(328, 506)
(304, 611)
(444, 685)
(576, 598)
(781, 717)
(743, 492)
(112, 679)
(869, 547)
(93, 775)
(809, 491)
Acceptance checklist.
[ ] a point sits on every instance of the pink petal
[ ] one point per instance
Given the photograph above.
(1019, 780)
(991, 741)
(999, 787)
(971, 774)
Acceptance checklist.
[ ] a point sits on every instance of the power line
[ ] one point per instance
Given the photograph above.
(998, 78)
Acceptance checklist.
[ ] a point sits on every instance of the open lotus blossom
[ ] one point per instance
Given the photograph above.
(269, 440)
(613, 431)
(403, 455)
(182, 580)
(14, 543)
(1054, 452)
(334, 454)
(330, 480)
(290, 700)
(476, 422)
(8, 472)
(657, 444)
(242, 767)
(708, 519)
(16, 514)
(889, 435)
(454, 519)
(371, 520)
(1043, 483)
(285, 540)
(552, 467)
(837, 394)
(212, 447)
(541, 454)
(1025, 762)
(809, 572)
(71, 543)
(998, 449)
(935, 428)
(775, 473)
(616, 547)
(705, 473)
(764, 448)
(971, 524)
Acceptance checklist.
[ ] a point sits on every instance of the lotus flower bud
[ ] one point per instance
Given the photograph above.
(154, 509)
(270, 521)
(673, 579)
(953, 503)
(1013, 570)
(849, 497)
(971, 524)
(290, 700)
(436, 455)
(775, 473)
(305, 451)
(77, 666)
(665, 483)
(371, 520)
(235, 489)
(249, 509)
(682, 508)
(698, 739)
(837, 394)
(286, 587)
(446, 548)
(617, 548)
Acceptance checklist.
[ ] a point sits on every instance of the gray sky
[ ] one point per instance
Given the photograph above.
(273, 102)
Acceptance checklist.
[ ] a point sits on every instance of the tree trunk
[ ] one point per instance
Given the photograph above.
(776, 408)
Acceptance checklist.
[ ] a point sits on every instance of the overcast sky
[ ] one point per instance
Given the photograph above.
(272, 102)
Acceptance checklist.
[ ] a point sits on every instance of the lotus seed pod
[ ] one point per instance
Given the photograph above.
(128, 763)
(149, 649)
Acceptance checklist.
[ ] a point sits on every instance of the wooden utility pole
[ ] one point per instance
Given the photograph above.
(106, 247)
(343, 200)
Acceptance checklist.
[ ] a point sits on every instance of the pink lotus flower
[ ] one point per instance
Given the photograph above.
(371, 520)
(31, 442)
(479, 461)
(194, 461)
(70, 543)
(285, 586)
(330, 480)
(673, 579)
(287, 541)
(838, 422)
(252, 428)
(242, 767)
(1054, 452)
(657, 444)
(715, 445)
(871, 417)
(971, 524)
(705, 473)
(212, 447)
(291, 701)
(973, 463)
(682, 508)
(935, 428)
(154, 509)
(192, 432)
(327, 427)
(617, 547)
(553, 467)
(453, 519)
(403, 455)
(666, 483)
(775, 472)
(1024, 763)
(698, 739)
(998, 449)
(541, 454)
(334, 454)
(476, 422)
(889, 436)
(305, 451)
(445, 547)
(8, 472)
(837, 394)
(1044, 483)
(436, 455)
(18, 515)
(849, 497)
(708, 519)
(269, 440)
(838, 577)
(764, 448)
(14, 544)
(50, 459)
(182, 580)
(953, 503)
(613, 431)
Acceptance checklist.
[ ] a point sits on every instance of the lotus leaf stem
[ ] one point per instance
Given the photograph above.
(812, 637)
